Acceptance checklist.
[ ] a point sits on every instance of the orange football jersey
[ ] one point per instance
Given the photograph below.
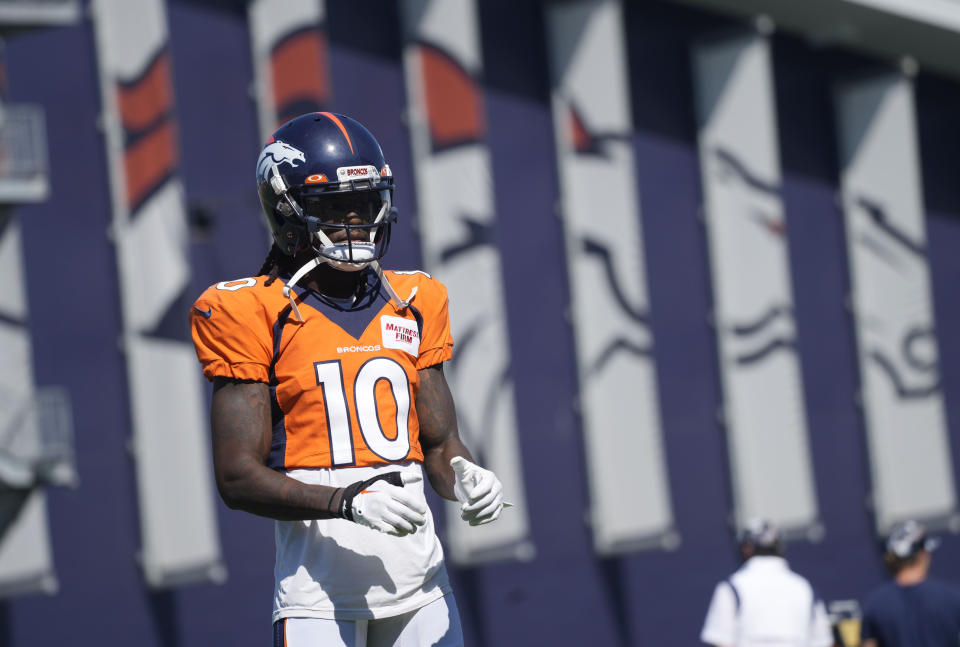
(343, 382)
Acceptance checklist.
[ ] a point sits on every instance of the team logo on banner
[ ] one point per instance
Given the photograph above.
(178, 520)
(763, 392)
(452, 170)
(610, 313)
(453, 100)
(149, 129)
(291, 62)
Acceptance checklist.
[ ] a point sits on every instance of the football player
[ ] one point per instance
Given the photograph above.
(330, 402)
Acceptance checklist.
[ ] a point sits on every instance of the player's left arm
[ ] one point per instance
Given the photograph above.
(448, 463)
(439, 437)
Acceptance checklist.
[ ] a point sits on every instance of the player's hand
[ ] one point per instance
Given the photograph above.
(383, 504)
(478, 490)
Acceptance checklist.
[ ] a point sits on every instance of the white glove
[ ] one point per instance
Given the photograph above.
(383, 504)
(478, 490)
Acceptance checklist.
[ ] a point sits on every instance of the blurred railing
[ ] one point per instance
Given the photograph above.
(37, 442)
(35, 13)
(23, 154)
(912, 33)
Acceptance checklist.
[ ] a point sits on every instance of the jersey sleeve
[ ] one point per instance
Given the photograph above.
(719, 627)
(227, 339)
(436, 343)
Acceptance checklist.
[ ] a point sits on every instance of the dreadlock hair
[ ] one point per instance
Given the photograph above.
(275, 262)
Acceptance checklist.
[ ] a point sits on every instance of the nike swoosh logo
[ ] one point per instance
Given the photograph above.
(206, 313)
(369, 492)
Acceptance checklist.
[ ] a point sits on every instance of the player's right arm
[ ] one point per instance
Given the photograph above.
(240, 421)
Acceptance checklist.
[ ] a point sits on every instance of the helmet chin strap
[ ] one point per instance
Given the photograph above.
(299, 274)
(398, 303)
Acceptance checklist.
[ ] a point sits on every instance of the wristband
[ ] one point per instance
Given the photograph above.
(351, 491)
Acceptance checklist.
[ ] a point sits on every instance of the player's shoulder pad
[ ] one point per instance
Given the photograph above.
(241, 297)
(413, 277)
(428, 287)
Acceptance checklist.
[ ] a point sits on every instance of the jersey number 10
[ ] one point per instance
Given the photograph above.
(330, 380)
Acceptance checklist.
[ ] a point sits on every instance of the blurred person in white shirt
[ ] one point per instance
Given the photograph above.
(764, 603)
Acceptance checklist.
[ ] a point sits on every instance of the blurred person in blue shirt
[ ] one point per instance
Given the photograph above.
(912, 609)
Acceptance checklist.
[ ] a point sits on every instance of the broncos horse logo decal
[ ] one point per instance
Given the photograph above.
(278, 153)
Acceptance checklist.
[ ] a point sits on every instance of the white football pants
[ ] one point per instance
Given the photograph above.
(434, 625)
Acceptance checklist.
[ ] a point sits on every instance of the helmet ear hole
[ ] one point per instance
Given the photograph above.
(288, 239)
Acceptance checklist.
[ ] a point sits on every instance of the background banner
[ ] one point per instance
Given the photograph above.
(763, 409)
(170, 445)
(901, 392)
(609, 303)
(457, 228)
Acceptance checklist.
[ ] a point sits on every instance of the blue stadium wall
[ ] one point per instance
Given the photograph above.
(566, 595)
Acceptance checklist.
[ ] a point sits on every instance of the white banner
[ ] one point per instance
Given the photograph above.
(902, 399)
(170, 434)
(764, 408)
(452, 167)
(26, 561)
(630, 503)
(290, 59)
